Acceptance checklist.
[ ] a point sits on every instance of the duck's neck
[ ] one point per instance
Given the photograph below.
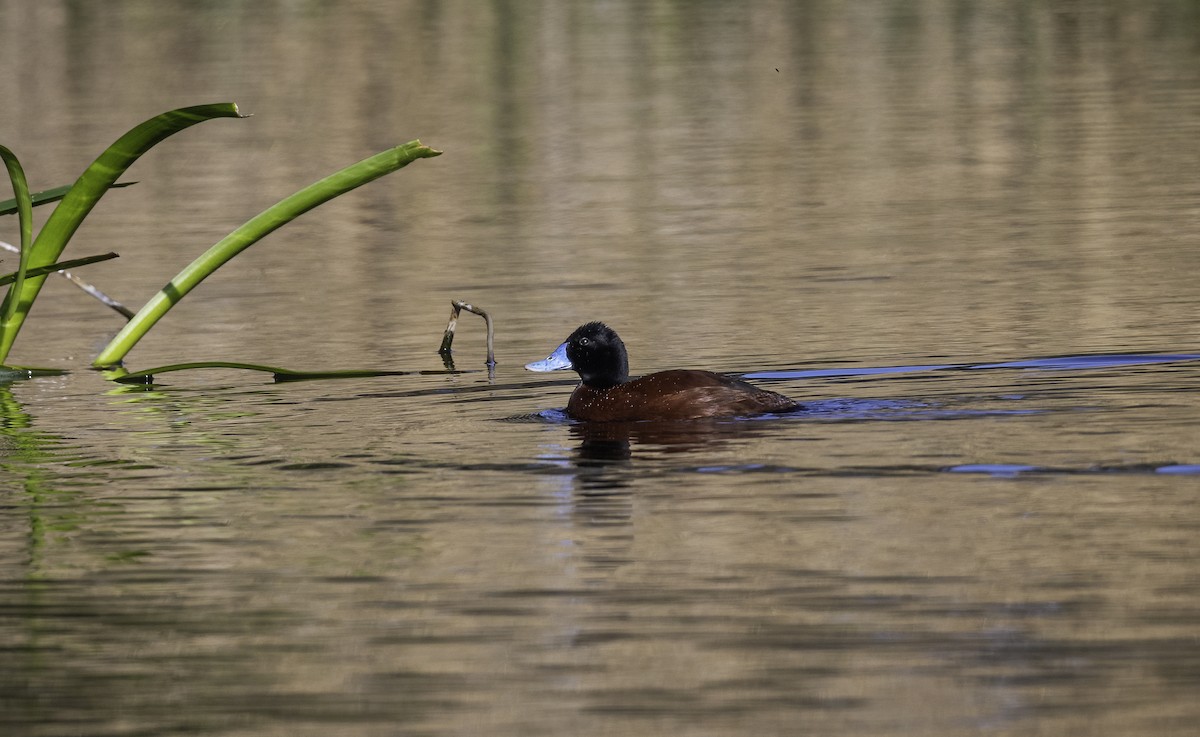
(595, 382)
(607, 379)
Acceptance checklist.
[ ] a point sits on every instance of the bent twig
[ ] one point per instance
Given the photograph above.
(456, 306)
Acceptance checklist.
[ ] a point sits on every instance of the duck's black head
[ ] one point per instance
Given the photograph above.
(595, 352)
(598, 355)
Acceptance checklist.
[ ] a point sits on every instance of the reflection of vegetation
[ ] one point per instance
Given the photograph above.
(25, 451)
(38, 254)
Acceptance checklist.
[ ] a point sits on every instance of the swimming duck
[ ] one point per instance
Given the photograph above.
(607, 394)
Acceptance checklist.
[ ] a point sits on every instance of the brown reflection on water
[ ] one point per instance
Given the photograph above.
(605, 441)
(603, 460)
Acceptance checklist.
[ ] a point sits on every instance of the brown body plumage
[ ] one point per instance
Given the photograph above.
(679, 394)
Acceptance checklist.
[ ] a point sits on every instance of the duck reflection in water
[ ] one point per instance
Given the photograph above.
(602, 444)
(604, 473)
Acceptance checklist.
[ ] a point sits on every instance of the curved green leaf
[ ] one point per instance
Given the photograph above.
(25, 218)
(251, 232)
(87, 190)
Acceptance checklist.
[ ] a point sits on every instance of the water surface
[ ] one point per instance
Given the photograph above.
(964, 235)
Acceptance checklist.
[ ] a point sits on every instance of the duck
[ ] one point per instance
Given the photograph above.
(607, 394)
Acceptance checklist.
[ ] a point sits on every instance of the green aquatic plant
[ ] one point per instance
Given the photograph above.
(38, 256)
(251, 232)
(75, 205)
(23, 206)
(24, 203)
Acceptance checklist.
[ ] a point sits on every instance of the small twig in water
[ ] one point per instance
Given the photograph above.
(456, 306)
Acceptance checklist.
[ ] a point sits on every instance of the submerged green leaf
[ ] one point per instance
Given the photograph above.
(279, 374)
(251, 232)
(13, 373)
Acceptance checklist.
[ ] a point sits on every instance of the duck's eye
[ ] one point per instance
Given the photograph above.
(585, 341)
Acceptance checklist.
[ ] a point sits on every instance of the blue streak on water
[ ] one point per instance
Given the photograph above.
(1001, 470)
(1180, 468)
(897, 409)
(995, 470)
(722, 469)
(816, 373)
(1091, 362)
(1012, 470)
(1057, 363)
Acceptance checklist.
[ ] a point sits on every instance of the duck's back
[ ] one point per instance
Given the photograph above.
(680, 394)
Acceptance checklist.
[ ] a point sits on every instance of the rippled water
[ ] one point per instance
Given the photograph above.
(963, 235)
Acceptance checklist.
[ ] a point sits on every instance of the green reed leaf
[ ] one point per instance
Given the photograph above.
(97, 179)
(16, 175)
(69, 264)
(250, 233)
(46, 196)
